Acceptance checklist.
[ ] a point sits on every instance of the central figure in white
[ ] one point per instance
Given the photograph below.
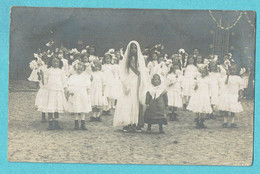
(133, 76)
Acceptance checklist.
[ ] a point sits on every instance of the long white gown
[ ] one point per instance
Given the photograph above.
(127, 109)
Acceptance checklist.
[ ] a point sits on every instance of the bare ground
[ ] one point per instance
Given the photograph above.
(30, 141)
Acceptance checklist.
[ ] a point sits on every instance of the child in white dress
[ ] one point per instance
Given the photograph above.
(153, 65)
(97, 89)
(91, 51)
(65, 63)
(200, 98)
(162, 67)
(174, 78)
(56, 82)
(214, 87)
(85, 61)
(110, 91)
(199, 61)
(42, 93)
(117, 86)
(35, 66)
(231, 95)
(78, 89)
(190, 73)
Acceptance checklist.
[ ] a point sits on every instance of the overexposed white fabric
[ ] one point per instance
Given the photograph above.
(34, 74)
(79, 102)
(110, 91)
(42, 94)
(191, 72)
(65, 66)
(56, 82)
(93, 58)
(228, 100)
(200, 99)
(174, 92)
(118, 84)
(214, 87)
(152, 67)
(96, 89)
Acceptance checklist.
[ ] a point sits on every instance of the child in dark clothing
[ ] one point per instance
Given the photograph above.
(157, 101)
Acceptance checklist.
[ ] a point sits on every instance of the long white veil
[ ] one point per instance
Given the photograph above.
(143, 85)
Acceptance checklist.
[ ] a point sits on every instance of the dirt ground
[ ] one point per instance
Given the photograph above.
(182, 144)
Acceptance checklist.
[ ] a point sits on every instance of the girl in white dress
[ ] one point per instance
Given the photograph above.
(199, 61)
(78, 92)
(42, 93)
(110, 91)
(56, 81)
(38, 68)
(97, 90)
(134, 78)
(65, 63)
(200, 98)
(162, 67)
(85, 61)
(153, 65)
(214, 88)
(223, 69)
(232, 93)
(190, 73)
(174, 78)
(35, 66)
(117, 85)
(91, 51)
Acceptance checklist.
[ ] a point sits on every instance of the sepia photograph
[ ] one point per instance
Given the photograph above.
(131, 86)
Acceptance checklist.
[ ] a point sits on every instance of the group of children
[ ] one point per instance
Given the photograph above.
(81, 83)
(204, 86)
(79, 87)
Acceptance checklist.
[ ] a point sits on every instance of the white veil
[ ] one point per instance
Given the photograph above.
(143, 85)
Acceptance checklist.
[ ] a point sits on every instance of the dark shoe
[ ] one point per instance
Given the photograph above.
(197, 123)
(50, 127)
(132, 128)
(202, 125)
(138, 129)
(148, 131)
(76, 125)
(56, 125)
(126, 128)
(210, 116)
(98, 119)
(224, 125)
(83, 125)
(161, 132)
(92, 119)
(174, 118)
(233, 125)
(171, 117)
(43, 118)
(108, 112)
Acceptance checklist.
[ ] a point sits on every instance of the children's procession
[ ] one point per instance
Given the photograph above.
(141, 87)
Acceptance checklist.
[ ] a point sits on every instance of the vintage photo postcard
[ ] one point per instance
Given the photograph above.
(131, 86)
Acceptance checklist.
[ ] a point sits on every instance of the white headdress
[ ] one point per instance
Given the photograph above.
(181, 50)
(141, 68)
